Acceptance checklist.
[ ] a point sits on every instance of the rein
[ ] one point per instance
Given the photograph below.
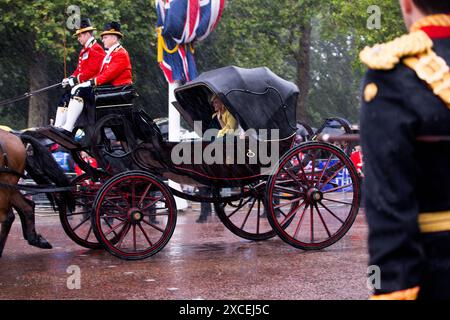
(35, 188)
(28, 95)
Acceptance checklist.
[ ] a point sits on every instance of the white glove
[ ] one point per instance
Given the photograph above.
(65, 82)
(73, 81)
(86, 84)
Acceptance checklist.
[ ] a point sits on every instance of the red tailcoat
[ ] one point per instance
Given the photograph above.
(116, 70)
(89, 62)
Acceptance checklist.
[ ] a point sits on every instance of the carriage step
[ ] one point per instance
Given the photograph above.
(60, 138)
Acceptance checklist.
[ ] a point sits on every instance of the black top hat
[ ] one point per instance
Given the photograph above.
(85, 26)
(112, 28)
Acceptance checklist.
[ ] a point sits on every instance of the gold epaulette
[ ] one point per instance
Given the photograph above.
(434, 71)
(386, 56)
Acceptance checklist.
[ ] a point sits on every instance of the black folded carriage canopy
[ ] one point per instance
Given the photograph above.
(257, 98)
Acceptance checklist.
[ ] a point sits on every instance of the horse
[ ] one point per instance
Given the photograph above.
(40, 165)
(12, 163)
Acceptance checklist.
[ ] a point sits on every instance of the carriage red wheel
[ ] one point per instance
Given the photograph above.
(78, 224)
(134, 215)
(323, 184)
(247, 217)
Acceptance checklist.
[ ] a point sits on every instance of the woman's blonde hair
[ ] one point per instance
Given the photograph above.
(214, 96)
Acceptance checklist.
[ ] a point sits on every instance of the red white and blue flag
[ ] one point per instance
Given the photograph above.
(181, 22)
(210, 14)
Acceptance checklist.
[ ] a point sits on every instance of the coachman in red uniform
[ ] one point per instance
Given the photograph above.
(89, 63)
(115, 70)
(116, 67)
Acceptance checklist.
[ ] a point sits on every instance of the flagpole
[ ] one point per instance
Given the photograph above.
(174, 135)
(174, 115)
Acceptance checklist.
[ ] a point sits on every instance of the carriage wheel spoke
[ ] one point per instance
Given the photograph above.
(124, 233)
(134, 238)
(258, 217)
(115, 228)
(133, 194)
(81, 223)
(152, 225)
(333, 176)
(323, 170)
(299, 225)
(120, 217)
(109, 225)
(338, 188)
(313, 169)
(116, 205)
(152, 203)
(312, 224)
(337, 201)
(117, 196)
(248, 213)
(323, 221)
(291, 214)
(238, 208)
(89, 233)
(326, 208)
(144, 194)
(287, 203)
(294, 178)
(300, 163)
(145, 235)
(289, 190)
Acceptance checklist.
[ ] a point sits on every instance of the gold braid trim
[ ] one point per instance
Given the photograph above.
(434, 222)
(386, 56)
(408, 294)
(437, 20)
(433, 70)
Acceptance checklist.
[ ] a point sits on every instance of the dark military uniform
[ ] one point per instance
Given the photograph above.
(407, 182)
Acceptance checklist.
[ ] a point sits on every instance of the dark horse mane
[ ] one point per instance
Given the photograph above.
(44, 170)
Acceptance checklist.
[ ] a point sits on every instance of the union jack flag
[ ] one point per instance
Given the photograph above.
(210, 14)
(181, 22)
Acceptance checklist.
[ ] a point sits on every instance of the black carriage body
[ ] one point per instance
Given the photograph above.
(232, 172)
(261, 102)
(257, 98)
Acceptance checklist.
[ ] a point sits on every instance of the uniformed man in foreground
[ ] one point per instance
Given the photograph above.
(407, 181)
(115, 70)
(89, 63)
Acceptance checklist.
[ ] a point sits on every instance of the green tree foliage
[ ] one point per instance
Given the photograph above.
(313, 43)
(269, 33)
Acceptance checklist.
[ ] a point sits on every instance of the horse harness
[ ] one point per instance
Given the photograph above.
(27, 188)
(5, 168)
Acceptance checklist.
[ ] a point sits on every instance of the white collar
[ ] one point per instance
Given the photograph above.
(88, 43)
(114, 47)
(108, 53)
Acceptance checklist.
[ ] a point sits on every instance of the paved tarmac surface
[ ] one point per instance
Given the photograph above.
(201, 261)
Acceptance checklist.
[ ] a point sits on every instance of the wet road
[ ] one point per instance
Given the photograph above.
(201, 261)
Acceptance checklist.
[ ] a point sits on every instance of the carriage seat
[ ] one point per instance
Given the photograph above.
(112, 96)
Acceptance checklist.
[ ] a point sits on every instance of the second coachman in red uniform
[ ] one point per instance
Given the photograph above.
(116, 67)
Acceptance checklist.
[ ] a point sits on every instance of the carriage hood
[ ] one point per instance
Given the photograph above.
(257, 98)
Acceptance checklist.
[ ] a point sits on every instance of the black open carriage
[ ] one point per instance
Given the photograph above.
(261, 183)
